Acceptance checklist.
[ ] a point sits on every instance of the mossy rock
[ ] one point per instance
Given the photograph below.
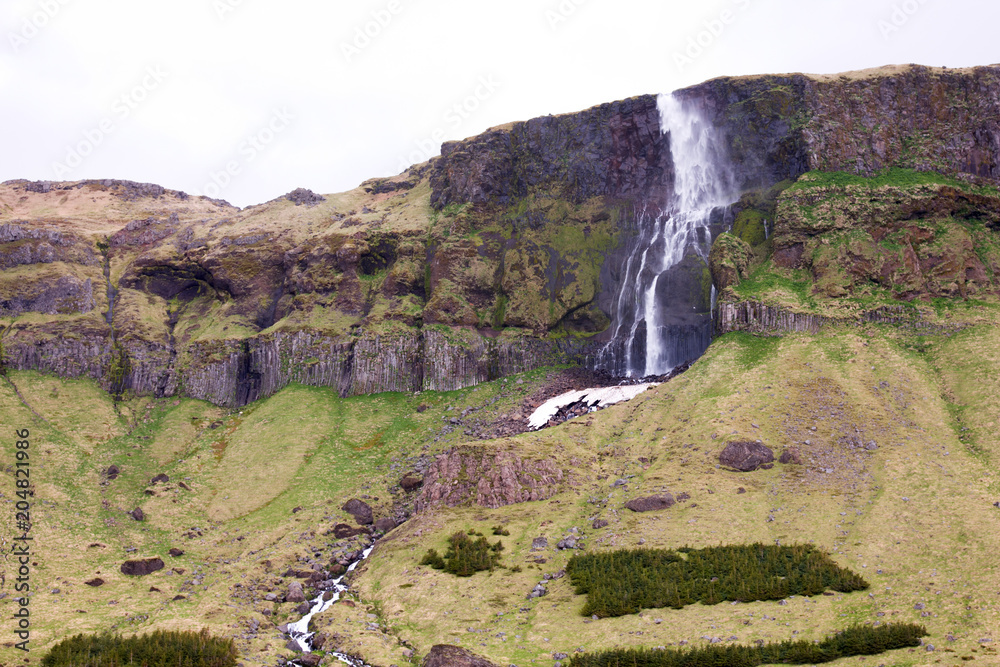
(749, 226)
(729, 261)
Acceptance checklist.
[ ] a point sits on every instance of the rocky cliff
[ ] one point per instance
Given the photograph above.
(502, 254)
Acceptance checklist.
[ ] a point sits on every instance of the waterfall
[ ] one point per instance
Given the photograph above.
(299, 630)
(662, 312)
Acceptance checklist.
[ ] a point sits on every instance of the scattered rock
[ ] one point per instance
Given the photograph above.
(919, 606)
(538, 591)
(741, 490)
(745, 455)
(599, 523)
(790, 456)
(681, 497)
(568, 543)
(142, 567)
(95, 582)
(447, 655)
(360, 510)
(651, 503)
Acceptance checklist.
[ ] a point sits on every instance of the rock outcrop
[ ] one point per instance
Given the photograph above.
(488, 478)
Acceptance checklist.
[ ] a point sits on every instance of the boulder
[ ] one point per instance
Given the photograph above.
(745, 455)
(651, 503)
(95, 582)
(342, 531)
(360, 510)
(599, 523)
(295, 593)
(411, 482)
(385, 524)
(539, 543)
(175, 552)
(310, 660)
(112, 472)
(790, 456)
(160, 478)
(447, 655)
(137, 514)
(142, 567)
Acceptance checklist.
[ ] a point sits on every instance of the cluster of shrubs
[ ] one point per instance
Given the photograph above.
(465, 556)
(159, 649)
(859, 640)
(626, 581)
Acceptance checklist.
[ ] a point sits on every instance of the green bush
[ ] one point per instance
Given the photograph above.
(859, 640)
(159, 649)
(629, 580)
(465, 557)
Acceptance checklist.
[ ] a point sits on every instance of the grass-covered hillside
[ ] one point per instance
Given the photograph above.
(912, 514)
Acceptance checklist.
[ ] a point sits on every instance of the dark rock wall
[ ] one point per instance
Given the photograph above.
(613, 150)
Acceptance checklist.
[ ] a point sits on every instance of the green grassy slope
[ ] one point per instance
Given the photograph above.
(914, 516)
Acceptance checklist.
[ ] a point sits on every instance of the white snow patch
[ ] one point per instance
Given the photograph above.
(594, 398)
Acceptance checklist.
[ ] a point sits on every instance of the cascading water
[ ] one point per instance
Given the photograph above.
(299, 631)
(662, 313)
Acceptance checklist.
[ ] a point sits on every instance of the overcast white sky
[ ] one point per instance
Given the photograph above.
(248, 99)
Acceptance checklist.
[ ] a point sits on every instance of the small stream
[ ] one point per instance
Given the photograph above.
(299, 631)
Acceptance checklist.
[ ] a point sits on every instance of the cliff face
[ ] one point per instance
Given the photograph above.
(501, 255)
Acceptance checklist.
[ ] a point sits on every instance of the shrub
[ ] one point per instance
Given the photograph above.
(158, 649)
(626, 581)
(465, 557)
(858, 640)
